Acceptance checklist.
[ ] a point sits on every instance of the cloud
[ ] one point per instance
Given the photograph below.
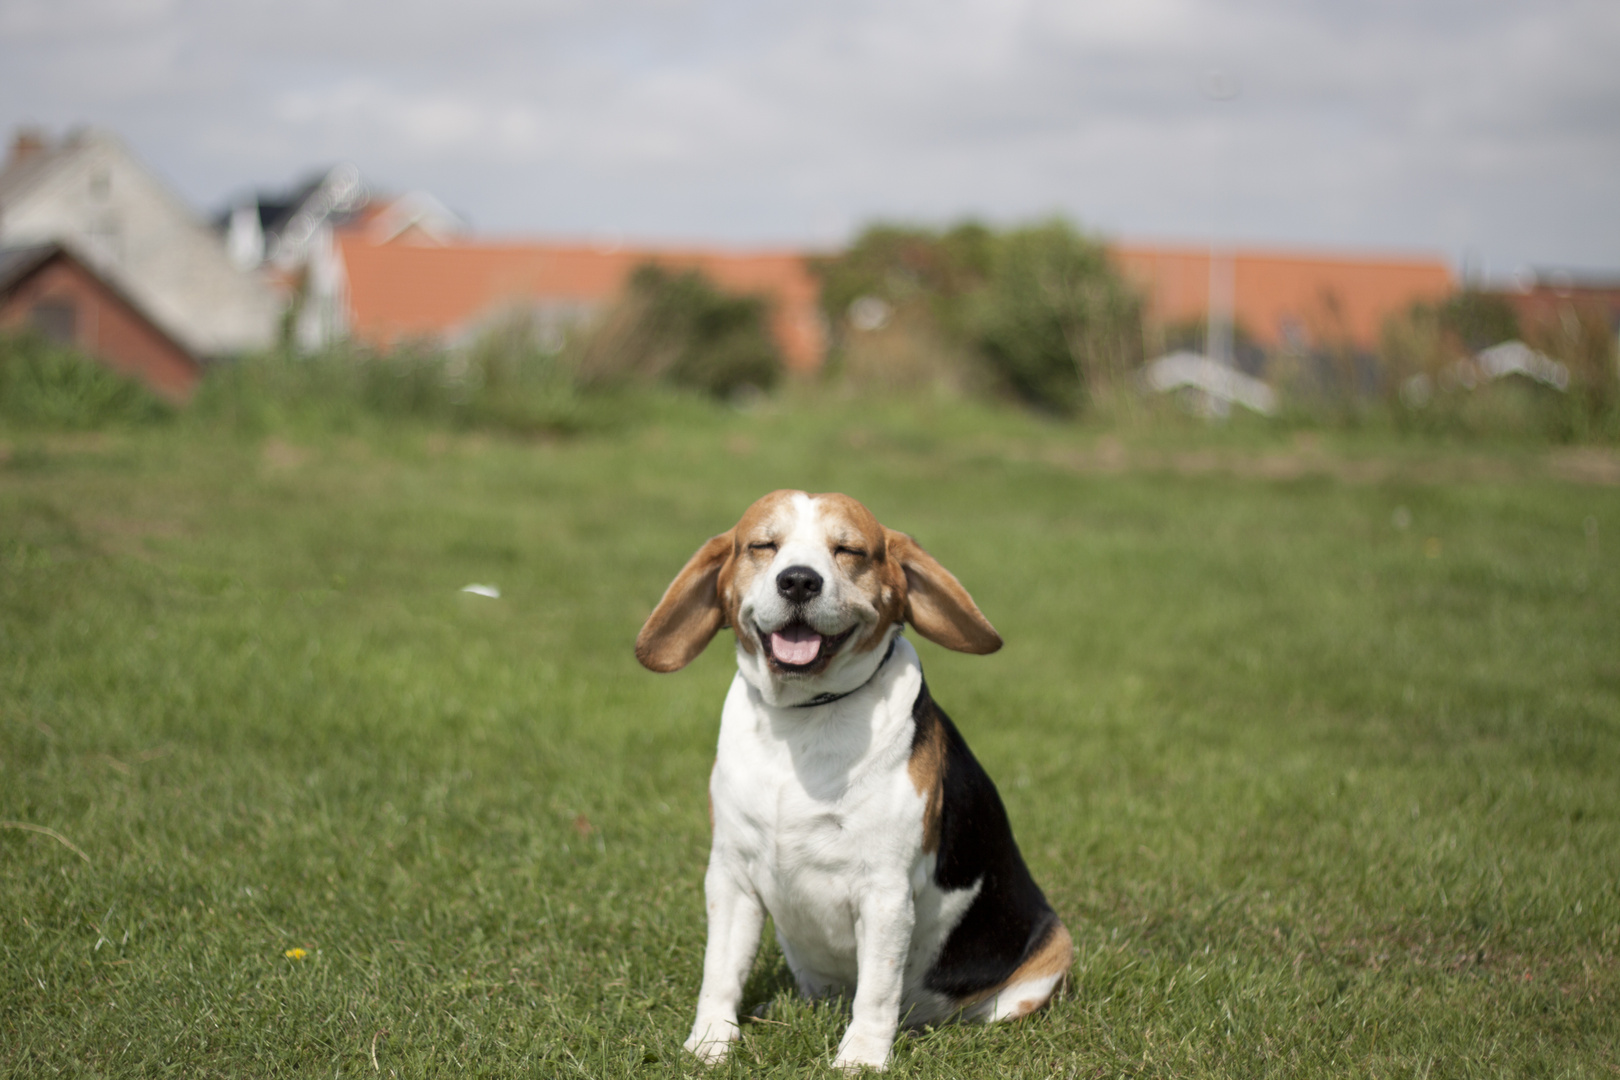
(1481, 127)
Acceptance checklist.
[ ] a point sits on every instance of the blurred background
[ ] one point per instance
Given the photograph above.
(1312, 207)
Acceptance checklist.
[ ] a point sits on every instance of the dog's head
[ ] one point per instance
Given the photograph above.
(815, 589)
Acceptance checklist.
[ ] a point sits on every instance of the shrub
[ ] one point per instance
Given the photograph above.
(1054, 320)
(897, 311)
(1038, 312)
(675, 327)
(503, 379)
(908, 268)
(1430, 386)
(1477, 320)
(1579, 337)
(46, 384)
(515, 375)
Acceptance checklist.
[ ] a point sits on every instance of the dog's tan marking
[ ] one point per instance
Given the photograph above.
(765, 522)
(927, 771)
(690, 613)
(851, 526)
(902, 581)
(1054, 956)
(703, 597)
(935, 602)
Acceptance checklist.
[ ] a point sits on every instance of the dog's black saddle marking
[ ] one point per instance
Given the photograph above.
(1010, 918)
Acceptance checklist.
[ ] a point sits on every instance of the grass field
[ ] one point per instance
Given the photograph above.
(1314, 743)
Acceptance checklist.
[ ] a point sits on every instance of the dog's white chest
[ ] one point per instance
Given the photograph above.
(813, 808)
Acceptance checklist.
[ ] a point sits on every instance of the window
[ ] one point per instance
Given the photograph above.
(105, 240)
(56, 319)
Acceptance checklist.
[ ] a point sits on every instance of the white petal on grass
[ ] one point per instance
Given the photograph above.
(483, 590)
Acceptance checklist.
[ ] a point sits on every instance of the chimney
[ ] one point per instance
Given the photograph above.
(26, 143)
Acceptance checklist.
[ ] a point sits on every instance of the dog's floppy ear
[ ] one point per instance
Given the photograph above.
(936, 604)
(691, 612)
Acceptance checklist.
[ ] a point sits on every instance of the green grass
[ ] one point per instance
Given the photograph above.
(1317, 794)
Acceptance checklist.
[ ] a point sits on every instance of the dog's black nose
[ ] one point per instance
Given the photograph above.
(798, 583)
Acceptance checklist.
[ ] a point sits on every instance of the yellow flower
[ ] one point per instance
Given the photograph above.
(295, 954)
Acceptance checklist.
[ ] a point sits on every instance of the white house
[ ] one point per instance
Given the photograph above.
(293, 235)
(89, 192)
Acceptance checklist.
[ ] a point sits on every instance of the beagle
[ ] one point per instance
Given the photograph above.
(845, 803)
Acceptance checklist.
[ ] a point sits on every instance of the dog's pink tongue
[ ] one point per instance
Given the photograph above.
(797, 644)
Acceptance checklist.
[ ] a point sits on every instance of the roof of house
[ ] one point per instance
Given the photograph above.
(118, 331)
(32, 157)
(17, 264)
(1287, 298)
(89, 189)
(402, 290)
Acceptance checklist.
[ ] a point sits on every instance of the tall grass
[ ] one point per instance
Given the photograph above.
(678, 329)
(504, 381)
(43, 384)
(1428, 347)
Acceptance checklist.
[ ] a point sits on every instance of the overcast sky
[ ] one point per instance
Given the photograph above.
(1482, 130)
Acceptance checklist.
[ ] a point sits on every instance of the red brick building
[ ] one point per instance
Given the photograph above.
(48, 289)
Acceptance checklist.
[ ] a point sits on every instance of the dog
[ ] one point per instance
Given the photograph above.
(844, 802)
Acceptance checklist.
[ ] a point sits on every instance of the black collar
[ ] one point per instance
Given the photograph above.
(828, 699)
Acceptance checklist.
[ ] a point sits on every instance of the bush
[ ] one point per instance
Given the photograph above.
(677, 328)
(1477, 320)
(334, 388)
(908, 268)
(1055, 321)
(1580, 338)
(1430, 385)
(50, 385)
(897, 311)
(1038, 312)
(504, 379)
(516, 376)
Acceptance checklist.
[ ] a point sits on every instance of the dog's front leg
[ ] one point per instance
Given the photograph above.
(735, 919)
(884, 920)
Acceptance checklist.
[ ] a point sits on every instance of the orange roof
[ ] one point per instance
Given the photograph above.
(402, 290)
(1283, 298)
(399, 290)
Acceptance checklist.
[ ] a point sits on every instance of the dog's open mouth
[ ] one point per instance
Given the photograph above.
(797, 647)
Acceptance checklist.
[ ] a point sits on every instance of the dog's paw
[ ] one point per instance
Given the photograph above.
(712, 1052)
(859, 1052)
(711, 1042)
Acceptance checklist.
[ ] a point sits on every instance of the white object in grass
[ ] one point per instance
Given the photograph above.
(1517, 358)
(483, 590)
(1216, 381)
